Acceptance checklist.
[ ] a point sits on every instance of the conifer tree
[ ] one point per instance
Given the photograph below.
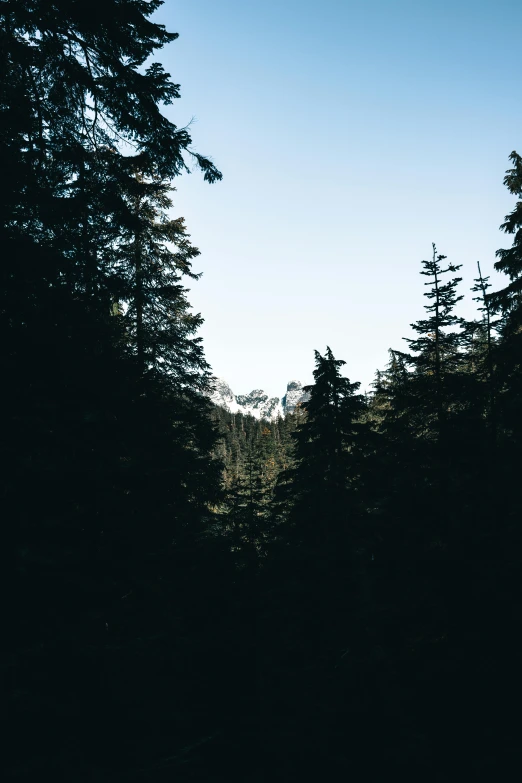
(327, 454)
(482, 351)
(508, 299)
(507, 364)
(436, 357)
(422, 402)
(77, 97)
(151, 257)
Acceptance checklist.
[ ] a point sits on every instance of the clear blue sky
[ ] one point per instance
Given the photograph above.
(351, 136)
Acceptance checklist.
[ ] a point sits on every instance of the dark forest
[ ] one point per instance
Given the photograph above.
(192, 594)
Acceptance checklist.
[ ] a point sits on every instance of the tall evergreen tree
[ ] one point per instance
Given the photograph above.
(77, 97)
(327, 454)
(152, 255)
(423, 403)
(506, 358)
(482, 357)
(508, 299)
(436, 357)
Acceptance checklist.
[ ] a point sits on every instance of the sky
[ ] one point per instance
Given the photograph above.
(351, 135)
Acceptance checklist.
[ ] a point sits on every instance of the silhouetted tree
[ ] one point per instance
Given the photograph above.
(152, 256)
(510, 260)
(327, 454)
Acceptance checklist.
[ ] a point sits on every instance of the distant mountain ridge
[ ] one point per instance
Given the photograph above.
(257, 403)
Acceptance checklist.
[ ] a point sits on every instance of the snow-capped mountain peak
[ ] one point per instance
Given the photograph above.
(257, 403)
(294, 395)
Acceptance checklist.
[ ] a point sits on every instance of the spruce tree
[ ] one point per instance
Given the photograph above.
(78, 103)
(506, 304)
(508, 299)
(423, 404)
(435, 354)
(152, 257)
(326, 471)
(482, 355)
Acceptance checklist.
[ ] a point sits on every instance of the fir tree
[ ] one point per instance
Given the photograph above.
(507, 364)
(423, 403)
(327, 457)
(482, 352)
(509, 261)
(436, 357)
(151, 257)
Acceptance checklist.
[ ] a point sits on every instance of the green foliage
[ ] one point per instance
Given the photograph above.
(255, 454)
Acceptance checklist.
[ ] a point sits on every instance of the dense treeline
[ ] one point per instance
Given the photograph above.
(254, 455)
(199, 595)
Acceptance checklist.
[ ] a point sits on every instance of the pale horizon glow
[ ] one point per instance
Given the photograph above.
(351, 136)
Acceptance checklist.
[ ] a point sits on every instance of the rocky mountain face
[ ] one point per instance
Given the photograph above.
(294, 395)
(257, 403)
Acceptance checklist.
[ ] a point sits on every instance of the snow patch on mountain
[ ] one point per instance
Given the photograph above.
(257, 403)
(223, 396)
(294, 395)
